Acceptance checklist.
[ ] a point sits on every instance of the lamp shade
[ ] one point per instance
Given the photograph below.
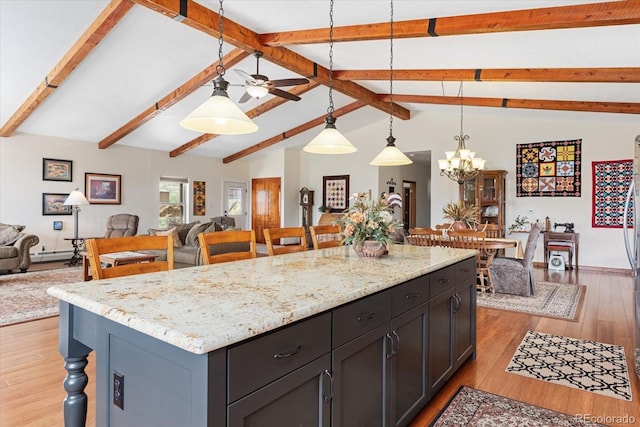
(257, 91)
(330, 141)
(219, 115)
(76, 198)
(391, 155)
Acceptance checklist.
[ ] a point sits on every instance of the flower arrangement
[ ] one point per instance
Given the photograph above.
(459, 211)
(368, 219)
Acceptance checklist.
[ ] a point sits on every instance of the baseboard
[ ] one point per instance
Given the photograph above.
(609, 270)
(47, 256)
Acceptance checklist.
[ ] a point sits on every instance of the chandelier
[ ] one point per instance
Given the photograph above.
(461, 165)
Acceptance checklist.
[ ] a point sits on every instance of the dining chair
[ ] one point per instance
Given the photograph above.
(492, 230)
(209, 240)
(272, 238)
(136, 245)
(515, 276)
(325, 236)
(472, 239)
(420, 236)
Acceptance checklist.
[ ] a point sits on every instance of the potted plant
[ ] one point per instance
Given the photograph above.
(324, 208)
(368, 224)
(461, 214)
(518, 223)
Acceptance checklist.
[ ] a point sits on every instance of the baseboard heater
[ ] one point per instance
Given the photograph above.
(43, 256)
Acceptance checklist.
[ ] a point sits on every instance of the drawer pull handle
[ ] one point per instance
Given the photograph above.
(412, 295)
(291, 353)
(465, 270)
(444, 280)
(328, 398)
(366, 316)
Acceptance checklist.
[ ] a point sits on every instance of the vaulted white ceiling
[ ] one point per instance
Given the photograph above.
(147, 55)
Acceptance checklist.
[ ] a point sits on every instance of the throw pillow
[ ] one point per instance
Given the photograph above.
(17, 227)
(192, 236)
(8, 236)
(177, 243)
(183, 230)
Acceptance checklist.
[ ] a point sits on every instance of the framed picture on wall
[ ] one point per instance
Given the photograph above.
(57, 170)
(53, 204)
(102, 188)
(335, 192)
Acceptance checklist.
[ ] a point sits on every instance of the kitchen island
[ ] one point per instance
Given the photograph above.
(218, 344)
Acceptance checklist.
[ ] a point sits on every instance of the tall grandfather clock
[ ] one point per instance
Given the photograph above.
(306, 201)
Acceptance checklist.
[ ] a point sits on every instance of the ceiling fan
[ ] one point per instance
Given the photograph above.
(258, 85)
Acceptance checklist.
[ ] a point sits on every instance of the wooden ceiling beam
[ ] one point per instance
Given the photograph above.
(101, 26)
(255, 112)
(203, 19)
(550, 18)
(535, 104)
(292, 132)
(196, 82)
(573, 75)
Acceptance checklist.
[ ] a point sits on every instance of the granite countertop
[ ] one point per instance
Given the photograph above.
(201, 309)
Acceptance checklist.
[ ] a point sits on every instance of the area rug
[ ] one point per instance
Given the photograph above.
(585, 365)
(24, 297)
(472, 407)
(561, 300)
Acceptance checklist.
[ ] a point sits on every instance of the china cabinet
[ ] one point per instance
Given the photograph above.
(487, 191)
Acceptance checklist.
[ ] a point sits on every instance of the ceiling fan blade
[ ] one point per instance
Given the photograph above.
(245, 97)
(289, 82)
(248, 77)
(284, 94)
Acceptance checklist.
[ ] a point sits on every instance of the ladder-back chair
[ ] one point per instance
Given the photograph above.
(471, 239)
(424, 237)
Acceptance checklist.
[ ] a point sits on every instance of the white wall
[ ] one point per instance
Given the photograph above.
(494, 134)
(21, 184)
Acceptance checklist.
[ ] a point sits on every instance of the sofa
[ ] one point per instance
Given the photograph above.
(15, 247)
(186, 250)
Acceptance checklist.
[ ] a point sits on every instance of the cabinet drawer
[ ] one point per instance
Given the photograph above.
(409, 294)
(256, 363)
(358, 317)
(465, 269)
(441, 280)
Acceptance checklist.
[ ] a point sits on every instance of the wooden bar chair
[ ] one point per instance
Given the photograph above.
(325, 236)
(420, 236)
(272, 238)
(471, 239)
(135, 257)
(492, 230)
(209, 240)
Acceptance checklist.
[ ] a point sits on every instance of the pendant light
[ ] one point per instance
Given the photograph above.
(219, 115)
(391, 155)
(330, 140)
(461, 165)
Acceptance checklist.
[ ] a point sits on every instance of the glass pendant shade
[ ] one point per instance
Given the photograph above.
(391, 155)
(257, 91)
(219, 115)
(330, 141)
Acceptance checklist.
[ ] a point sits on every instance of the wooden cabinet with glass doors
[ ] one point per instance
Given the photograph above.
(487, 192)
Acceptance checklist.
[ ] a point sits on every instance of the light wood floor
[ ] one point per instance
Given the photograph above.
(31, 369)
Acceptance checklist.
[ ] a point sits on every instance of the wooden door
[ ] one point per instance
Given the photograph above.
(265, 205)
(409, 204)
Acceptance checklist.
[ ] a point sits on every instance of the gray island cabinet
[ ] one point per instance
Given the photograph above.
(321, 338)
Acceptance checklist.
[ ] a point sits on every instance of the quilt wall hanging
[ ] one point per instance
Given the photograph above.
(549, 169)
(611, 180)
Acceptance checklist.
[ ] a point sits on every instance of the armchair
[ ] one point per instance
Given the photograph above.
(515, 276)
(122, 225)
(15, 247)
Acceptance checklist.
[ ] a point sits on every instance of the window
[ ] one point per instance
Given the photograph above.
(173, 201)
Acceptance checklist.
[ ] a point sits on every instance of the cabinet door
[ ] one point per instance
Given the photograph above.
(409, 390)
(301, 398)
(441, 327)
(465, 321)
(360, 380)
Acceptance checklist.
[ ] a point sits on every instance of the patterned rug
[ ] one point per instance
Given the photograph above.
(471, 407)
(561, 300)
(585, 365)
(24, 296)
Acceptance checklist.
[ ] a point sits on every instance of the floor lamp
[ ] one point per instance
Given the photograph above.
(76, 199)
